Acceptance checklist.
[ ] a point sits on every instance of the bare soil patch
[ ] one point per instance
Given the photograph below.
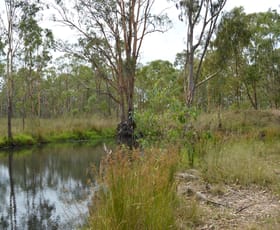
(229, 206)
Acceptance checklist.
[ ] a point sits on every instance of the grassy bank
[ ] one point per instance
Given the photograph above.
(263, 124)
(57, 130)
(238, 151)
(244, 149)
(242, 162)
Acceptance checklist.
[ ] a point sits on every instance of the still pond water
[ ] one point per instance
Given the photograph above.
(47, 187)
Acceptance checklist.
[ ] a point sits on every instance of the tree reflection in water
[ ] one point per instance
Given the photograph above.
(40, 217)
(45, 188)
(13, 206)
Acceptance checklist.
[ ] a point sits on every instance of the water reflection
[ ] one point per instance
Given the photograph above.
(47, 187)
(13, 206)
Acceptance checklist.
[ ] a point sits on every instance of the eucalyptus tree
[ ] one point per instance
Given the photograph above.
(247, 46)
(157, 86)
(37, 43)
(113, 32)
(20, 34)
(262, 80)
(9, 20)
(201, 18)
(232, 40)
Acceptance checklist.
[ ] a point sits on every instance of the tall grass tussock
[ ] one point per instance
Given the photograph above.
(137, 191)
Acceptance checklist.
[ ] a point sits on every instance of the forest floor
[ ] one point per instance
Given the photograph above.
(225, 206)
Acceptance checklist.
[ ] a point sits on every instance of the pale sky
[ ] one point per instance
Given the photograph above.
(165, 47)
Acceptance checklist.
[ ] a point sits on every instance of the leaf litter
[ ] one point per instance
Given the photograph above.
(229, 206)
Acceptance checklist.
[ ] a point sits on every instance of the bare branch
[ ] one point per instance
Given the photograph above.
(209, 77)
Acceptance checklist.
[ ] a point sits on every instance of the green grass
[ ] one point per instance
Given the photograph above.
(138, 192)
(245, 151)
(57, 130)
(242, 162)
(249, 123)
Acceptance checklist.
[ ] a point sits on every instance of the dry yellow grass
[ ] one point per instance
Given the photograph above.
(58, 125)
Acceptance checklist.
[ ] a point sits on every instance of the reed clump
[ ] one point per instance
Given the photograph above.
(137, 191)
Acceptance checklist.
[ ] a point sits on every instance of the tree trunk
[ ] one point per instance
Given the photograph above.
(10, 109)
(39, 99)
(191, 84)
(253, 99)
(189, 94)
(10, 90)
(126, 128)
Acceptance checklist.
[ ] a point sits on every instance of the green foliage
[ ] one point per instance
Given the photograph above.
(233, 35)
(75, 112)
(18, 140)
(148, 123)
(3, 142)
(159, 112)
(246, 49)
(80, 134)
(157, 86)
(108, 132)
(23, 139)
(36, 40)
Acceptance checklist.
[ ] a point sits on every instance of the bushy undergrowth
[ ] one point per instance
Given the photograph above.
(137, 191)
(167, 126)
